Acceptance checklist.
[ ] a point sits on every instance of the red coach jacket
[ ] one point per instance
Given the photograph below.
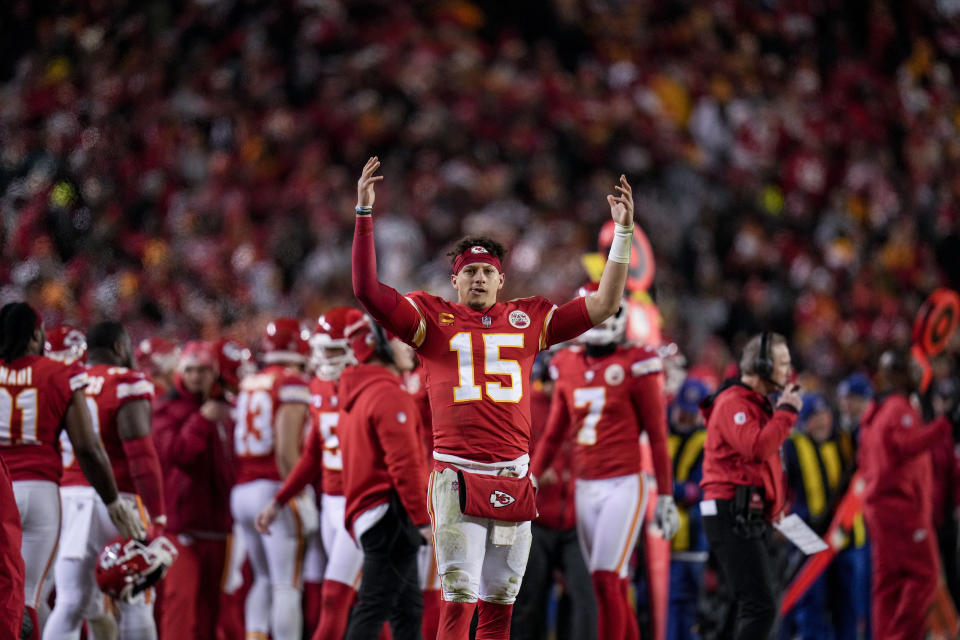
(744, 435)
(895, 460)
(197, 460)
(380, 440)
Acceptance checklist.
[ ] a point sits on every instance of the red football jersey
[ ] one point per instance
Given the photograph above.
(326, 415)
(34, 394)
(108, 389)
(600, 409)
(261, 395)
(477, 366)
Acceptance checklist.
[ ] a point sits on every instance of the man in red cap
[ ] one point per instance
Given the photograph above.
(192, 429)
(895, 461)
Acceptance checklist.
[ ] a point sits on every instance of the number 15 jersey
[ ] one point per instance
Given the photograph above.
(477, 366)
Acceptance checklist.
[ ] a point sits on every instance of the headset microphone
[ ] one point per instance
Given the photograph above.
(763, 364)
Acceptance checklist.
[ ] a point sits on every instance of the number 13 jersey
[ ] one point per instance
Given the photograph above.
(477, 366)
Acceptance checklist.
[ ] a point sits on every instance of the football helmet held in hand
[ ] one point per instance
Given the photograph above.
(127, 567)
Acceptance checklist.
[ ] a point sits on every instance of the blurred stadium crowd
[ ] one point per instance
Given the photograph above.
(187, 167)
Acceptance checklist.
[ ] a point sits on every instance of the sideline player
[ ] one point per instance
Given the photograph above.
(119, 401)
(272, 409)
(321, 456)
(37, 396)
(478, 354)
(606, 394)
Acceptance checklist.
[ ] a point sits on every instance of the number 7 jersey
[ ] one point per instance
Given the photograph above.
(477, 366)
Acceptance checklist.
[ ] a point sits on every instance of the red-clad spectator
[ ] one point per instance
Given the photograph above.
(193, 431)
(895, 461)
(11, 578)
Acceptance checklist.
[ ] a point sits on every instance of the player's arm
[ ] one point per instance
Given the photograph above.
(133, 427)
(384, 303)
(291, 417)
(573, 318)
(554, 432)
(605, 301)
(95, 465)
(906, 438)
(307, 470)
(651, 411)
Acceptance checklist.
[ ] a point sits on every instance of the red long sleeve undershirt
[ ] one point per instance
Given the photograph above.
(651, 410)
(145, 473)
(383, 302)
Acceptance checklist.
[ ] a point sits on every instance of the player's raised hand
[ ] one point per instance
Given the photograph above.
(621, 204)
(365, 192)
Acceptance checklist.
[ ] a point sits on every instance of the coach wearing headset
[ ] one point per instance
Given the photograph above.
(743, 478)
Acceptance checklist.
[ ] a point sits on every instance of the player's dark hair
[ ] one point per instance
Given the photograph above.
(493, 247)
(18, 321)
(104, 335)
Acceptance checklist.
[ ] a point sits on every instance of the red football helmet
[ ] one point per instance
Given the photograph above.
(331, 350)
(612, 330)
(284, 340)
(127, 567)
(66, 344)
(235, 361)
(156, 357)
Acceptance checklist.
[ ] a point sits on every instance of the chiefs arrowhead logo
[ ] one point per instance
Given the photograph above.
(500, 499)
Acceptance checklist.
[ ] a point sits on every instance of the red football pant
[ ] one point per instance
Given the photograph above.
(615, 618)
(905, 575)
(11, 561)
(191, 590)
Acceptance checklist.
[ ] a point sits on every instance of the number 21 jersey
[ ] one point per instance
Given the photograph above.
(35, 392)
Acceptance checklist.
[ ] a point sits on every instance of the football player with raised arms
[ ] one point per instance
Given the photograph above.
(477, 354)
(119, 400)
(38, 395)
(607, 393)
(272, 410)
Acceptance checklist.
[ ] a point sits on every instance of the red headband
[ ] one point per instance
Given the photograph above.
(473, 254)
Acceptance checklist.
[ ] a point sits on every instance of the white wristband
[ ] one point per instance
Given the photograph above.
(622, 242)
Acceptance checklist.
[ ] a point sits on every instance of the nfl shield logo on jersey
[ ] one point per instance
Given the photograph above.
(500, 499)
(519, 319)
